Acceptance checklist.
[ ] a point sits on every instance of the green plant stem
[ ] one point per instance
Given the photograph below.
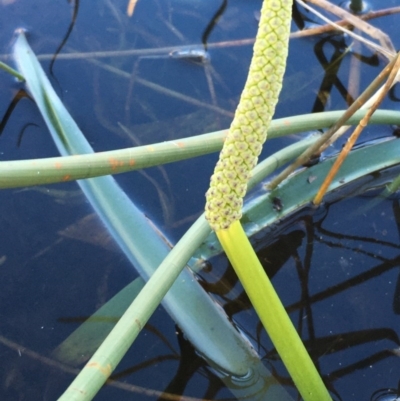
(300, 188)
(392, 187)
(390, 149)
(134, 233)
(272, 313)
(228, 186)
(125, 332)
(23, 173)
(187, 303)
(11, 71)
(98, 369)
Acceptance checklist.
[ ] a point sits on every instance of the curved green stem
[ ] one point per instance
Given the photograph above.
(23, 173)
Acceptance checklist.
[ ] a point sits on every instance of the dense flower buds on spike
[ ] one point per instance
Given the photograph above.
(248, 130)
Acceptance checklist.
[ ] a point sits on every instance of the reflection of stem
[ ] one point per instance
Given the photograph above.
(215, 18)
(352, 282)
(136, 52)
(21, 94)
(356, 238)
(162, 89)
(130, 89)
(66, 36)
(374, 256)
(364, 363)
(166, 201)
(331, 68)
(210, 84)
(356, 5)
(208, 70)
(22, 350)
(304, 273)
(353, 86)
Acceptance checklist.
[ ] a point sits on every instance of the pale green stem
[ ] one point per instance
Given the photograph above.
(23, 173)
(11, 71)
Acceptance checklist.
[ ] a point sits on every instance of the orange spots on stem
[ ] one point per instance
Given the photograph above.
(105, 370)
(115, 164)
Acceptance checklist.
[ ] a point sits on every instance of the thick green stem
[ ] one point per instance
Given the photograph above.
(228, 187)
(272, 313)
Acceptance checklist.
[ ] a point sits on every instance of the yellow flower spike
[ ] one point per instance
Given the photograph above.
(253, 115)
(228, 186)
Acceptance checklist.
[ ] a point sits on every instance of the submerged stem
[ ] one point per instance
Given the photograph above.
(11, 71)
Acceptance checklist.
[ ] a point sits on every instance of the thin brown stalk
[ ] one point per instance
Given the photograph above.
(353, 82)
(357, 22)
(131, 7)
(358, 103)
(354, 136)
(344, 22)
(384, 49)
(162, 89)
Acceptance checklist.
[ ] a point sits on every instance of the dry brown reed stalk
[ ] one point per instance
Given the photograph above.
(344, 23)
(354, 136)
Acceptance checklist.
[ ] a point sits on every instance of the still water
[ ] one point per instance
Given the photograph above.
(56, 270)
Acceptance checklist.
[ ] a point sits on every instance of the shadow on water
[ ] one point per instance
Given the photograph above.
(336, 271)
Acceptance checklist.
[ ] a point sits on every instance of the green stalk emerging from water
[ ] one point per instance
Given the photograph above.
(228, 187)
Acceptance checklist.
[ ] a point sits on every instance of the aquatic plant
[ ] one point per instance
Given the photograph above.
(63, 129)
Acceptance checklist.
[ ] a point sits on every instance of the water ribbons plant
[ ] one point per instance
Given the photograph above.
(146, 250)
(187, 304)
(228, 185)
(248, 133)
(185, 300)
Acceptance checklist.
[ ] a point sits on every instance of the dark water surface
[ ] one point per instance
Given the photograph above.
(55, 273)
